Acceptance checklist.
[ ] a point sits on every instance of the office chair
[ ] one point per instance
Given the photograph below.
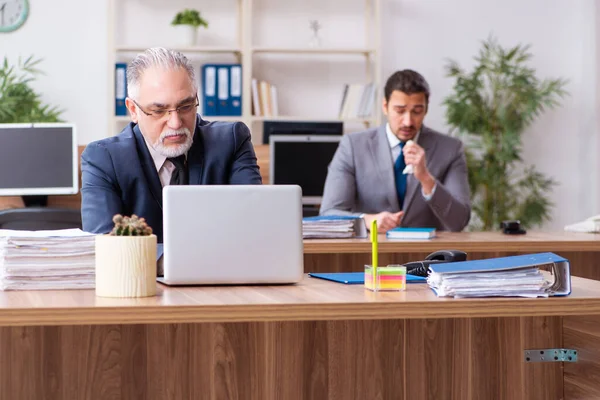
(40, 218)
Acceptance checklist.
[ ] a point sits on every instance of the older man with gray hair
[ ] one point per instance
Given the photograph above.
(166, 143)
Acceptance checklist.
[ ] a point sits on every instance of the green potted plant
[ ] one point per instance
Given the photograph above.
(126, 259)
(188, 21)
(18, 101)
(490, 108)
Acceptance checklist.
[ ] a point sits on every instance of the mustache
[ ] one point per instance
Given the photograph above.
(407, 128)
(170, 133)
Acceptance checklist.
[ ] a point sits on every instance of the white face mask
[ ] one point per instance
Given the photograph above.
(173, 150)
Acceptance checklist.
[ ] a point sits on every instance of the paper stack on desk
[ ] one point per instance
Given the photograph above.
(532, 275)
(47, 260)
(333, 227)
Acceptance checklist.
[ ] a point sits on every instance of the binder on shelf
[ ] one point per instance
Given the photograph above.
(120, 89)
(235, 92)
(256, 107)
(530, 275)
(223, 106)
(209, 90)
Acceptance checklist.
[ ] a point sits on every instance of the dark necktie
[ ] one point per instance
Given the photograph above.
(400, 177)
(180, 173)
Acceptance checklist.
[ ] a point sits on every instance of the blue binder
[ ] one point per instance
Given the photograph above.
(558, 265)
(209, 90)
(120, 89)
(235, 89)
(223, 106)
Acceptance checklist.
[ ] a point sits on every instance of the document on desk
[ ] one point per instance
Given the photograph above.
(532, 275)
(47, 260)
(333, 227)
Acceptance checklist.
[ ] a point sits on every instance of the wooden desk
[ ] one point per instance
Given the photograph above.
(314, 340)
(581, 249)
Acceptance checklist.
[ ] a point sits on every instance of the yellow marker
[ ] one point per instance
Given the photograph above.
(374, 248)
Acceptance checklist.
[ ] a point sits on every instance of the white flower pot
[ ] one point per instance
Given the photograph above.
(125, 266)
(186, 35)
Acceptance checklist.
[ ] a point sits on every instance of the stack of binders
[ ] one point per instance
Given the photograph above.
(222, 90)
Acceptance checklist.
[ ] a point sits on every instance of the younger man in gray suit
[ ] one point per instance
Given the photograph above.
(368, 173)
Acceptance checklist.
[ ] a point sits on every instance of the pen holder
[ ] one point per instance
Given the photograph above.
(391, 278)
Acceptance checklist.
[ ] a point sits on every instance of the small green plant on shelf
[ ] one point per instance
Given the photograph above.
(130, 226)
(189, 17)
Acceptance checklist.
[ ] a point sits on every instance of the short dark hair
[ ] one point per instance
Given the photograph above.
(407, 81)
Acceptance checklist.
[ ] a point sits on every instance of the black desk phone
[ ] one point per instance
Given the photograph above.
(420, 268)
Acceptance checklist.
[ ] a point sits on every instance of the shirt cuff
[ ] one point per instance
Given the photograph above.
(428, 197)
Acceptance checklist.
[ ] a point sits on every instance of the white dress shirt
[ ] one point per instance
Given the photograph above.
(395, 149)
(163, 166)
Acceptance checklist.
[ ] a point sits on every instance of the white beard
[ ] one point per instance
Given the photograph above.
(174, 150)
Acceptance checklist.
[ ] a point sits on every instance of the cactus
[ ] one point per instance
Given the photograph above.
(130, 226)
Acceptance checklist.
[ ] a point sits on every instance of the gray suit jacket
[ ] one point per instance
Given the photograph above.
(361, 180)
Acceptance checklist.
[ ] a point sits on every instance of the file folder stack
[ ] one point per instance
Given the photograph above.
(534, 275)
(47, 260)
(333, 227)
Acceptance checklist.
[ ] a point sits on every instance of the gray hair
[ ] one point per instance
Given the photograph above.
(156, 57)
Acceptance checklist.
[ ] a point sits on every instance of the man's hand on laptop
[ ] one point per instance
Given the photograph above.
(385, 220)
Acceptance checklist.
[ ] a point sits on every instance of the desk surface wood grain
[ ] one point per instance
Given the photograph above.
(467, 241)
(311, 299)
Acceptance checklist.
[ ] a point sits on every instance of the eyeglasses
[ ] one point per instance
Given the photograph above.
(181, 110)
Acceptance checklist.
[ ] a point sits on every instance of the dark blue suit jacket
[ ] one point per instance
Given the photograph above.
(119, 175)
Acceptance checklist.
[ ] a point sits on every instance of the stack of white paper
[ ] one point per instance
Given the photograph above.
(46, 260)
(525, 282)
(328, 228)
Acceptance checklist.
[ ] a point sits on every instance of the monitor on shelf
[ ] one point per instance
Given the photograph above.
(37, 160)
(301, 128)
(302, 160)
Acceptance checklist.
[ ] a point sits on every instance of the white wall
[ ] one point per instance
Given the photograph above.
(71, 36)
(423, 34)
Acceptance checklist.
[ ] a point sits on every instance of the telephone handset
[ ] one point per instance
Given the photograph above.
(420, 268)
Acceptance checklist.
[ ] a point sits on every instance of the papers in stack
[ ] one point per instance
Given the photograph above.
(47, 260)
(410, 233)
(333, 227)
(533, 275)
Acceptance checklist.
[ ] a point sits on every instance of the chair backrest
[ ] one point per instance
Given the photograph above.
(40, 218)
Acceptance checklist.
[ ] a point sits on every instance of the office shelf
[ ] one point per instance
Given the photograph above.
(190, 49)
(245, 52)
(317, 50)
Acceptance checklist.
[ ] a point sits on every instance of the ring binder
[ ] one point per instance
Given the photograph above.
(505, 276)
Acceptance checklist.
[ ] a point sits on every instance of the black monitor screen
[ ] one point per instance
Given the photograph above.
(303, 163)
(301, 128)
(36, 160)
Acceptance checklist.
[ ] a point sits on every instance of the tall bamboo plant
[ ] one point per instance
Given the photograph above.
(490, 107)
(19, 102)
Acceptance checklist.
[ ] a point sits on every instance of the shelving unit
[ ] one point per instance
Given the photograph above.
(245, 52)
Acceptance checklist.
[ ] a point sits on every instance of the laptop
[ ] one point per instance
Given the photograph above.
(232, 235)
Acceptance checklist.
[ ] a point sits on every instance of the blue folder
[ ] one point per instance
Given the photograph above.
(354, 278)
(560, 268)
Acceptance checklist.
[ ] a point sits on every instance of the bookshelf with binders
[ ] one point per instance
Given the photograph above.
(258, 75)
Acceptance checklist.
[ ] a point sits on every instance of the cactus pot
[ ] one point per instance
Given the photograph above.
(125, 266)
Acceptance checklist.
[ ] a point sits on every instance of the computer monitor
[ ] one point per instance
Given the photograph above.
(301, 128)
(302, 160)
(38, 159)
